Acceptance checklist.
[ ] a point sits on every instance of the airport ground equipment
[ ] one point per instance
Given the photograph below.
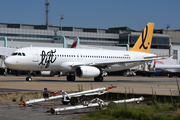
(93, 103)
(69, 98)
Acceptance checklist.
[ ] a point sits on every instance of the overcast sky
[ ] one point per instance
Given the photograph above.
(101, 14)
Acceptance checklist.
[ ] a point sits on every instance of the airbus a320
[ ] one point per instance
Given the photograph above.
(85, 63)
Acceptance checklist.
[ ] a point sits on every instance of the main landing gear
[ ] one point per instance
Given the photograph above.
(99, 79)
(71, 77)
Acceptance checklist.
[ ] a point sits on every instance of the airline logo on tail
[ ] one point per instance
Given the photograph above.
(144, 38)
(143, 44)
(74, 44)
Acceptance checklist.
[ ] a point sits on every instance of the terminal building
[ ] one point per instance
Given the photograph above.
(120, 38)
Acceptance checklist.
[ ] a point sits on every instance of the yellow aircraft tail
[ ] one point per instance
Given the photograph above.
(143, 44)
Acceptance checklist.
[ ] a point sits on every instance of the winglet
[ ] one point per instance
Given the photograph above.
(143, 44)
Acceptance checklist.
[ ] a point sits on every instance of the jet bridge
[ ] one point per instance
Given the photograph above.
(66, 41)
(5, 52)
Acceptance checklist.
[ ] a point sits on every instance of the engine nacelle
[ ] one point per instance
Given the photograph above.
(87, 71)
(47, 73)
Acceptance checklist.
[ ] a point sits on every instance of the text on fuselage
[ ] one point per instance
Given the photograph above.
(48, 58)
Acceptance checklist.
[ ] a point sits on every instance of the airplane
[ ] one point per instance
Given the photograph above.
(85, 63)
(74, 45)
(161, 67)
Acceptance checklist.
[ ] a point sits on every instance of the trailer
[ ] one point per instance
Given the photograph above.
(93, 103)
(69, 98)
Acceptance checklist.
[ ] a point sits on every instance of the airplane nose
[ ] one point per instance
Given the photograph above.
(8, 62)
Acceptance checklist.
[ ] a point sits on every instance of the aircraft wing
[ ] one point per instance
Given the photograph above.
(162, 56)
(113, 62)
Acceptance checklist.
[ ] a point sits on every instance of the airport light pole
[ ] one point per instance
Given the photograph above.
(62, 17)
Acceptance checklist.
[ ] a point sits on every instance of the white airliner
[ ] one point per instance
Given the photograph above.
(164, 68)
(85, 63)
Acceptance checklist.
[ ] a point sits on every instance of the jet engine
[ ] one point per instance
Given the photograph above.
(87, 71)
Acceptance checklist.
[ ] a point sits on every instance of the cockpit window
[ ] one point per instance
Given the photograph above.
(23, 54)
(14, 54)
(19, 54)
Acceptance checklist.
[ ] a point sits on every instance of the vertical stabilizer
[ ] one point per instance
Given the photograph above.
(74, 45)
(143, 44)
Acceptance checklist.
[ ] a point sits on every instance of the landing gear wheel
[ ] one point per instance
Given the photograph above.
(71, 78)
(95, 79)
(74, 101)
(99, 79)
(28, 79)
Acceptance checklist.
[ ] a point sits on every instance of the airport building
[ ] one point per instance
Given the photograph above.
(120, 38)
(20, 35)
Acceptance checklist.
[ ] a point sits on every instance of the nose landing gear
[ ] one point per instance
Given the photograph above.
(28, 78)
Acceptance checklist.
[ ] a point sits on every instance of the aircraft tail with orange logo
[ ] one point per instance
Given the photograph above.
(143, 44)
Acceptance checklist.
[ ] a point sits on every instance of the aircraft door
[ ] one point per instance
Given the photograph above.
(35, 55)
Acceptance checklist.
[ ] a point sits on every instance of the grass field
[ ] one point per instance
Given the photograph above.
(152, 110)
(133, 111)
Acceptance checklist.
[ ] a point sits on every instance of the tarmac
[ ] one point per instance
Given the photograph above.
(12, 111)
(138, 84)
(15, 84)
